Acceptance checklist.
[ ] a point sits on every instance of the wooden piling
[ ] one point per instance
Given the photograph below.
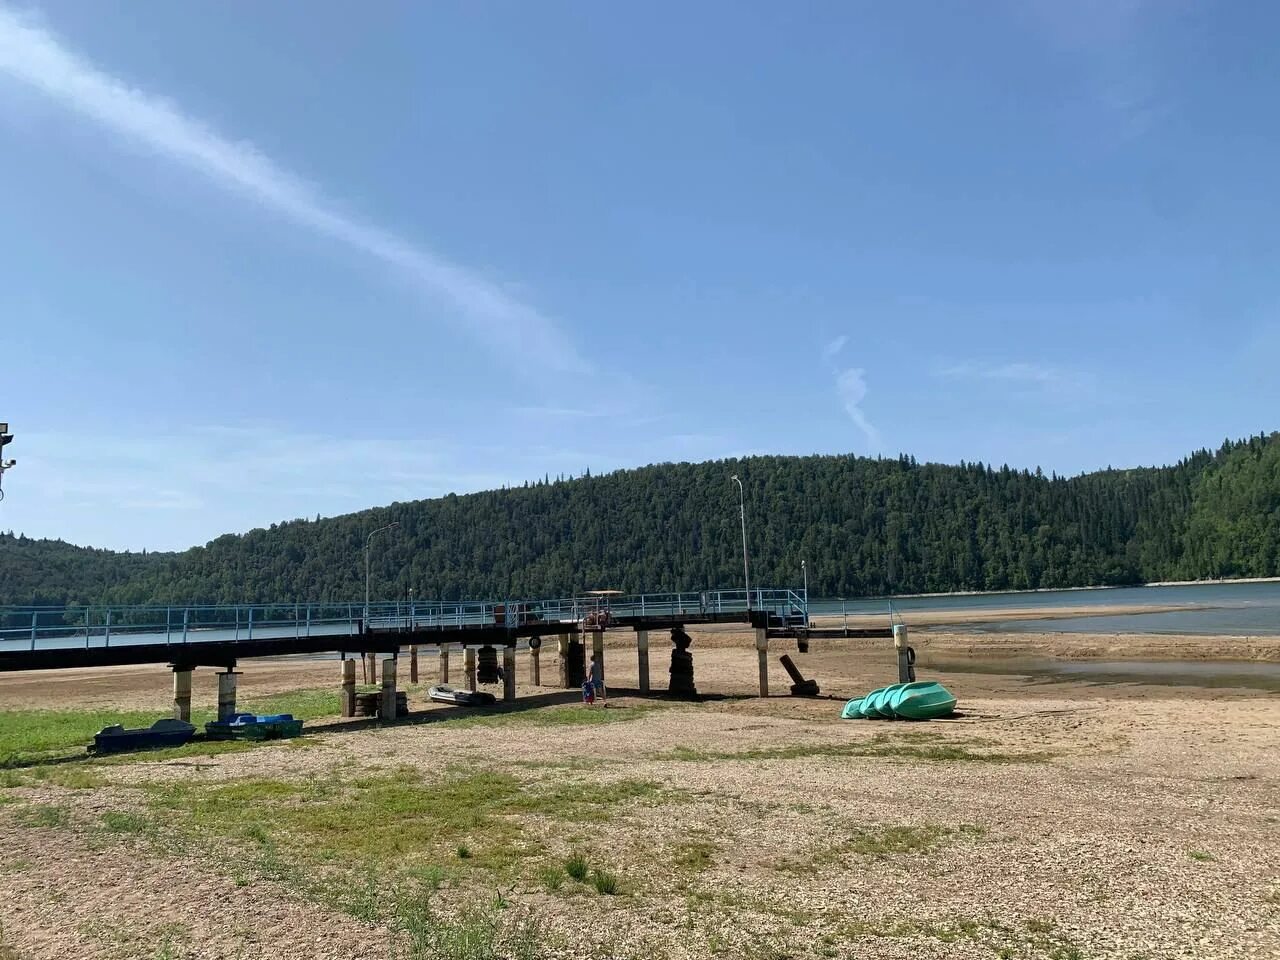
(469, 667)
(535, 667)
(762, 651)
(906, 673)
(509, 673)
(597, 651)
(444, 663)
(348, 688)
(642, 657)
(413, 663)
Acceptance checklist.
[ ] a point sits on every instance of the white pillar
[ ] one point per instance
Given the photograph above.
(182, 695)
(227, 695)
(904, 652)
(388, 689)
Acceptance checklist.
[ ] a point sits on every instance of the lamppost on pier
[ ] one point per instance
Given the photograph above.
(367, 543)
(804, 569)
(742, 515)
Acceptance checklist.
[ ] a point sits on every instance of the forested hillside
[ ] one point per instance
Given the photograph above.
(865, 526)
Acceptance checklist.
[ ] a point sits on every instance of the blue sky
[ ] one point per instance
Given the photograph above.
(262, 261)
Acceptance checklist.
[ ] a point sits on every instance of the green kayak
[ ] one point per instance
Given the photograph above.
(923, 700)
(877, 704)
(850, 711)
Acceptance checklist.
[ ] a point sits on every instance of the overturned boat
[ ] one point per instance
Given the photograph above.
(249, 726)
(919, 700)
(444, 693)
(162, 733)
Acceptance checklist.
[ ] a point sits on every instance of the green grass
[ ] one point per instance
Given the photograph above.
(576, 867)
(914, 745)
(1039, 940)
(463, 851)
(1201, 856)
(483, 932)
(45, 815)
(879, 842)
(571, 715)
(697, 855)
(29, 736)
(606, 883)
(120, 821)
(552, 877)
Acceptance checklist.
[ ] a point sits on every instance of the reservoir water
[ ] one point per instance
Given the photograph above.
(1232, 609)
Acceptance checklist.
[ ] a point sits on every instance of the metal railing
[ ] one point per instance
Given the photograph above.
(86, 627)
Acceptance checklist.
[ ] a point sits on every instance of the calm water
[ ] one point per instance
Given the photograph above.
(1248, 609)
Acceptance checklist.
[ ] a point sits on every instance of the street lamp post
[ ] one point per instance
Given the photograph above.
(742, 515)
(367, 543)
(804, 569)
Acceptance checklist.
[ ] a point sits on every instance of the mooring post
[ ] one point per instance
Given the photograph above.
(181, 694)
(762, 651)
(389, 688)
(906, 671)
(562, 659)
(348, 687)
(444, 663)
(372, 660)
(535, 665)
(227, 694)
(413, 663)
(469, 668)
(509, 673)
(642, 656)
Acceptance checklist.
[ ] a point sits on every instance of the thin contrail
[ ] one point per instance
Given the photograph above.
(34, 56)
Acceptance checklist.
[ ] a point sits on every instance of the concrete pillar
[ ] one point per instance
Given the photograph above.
(597, 651)
(562, 659)
(642, 656)
(535, 666)
(227, 695)
(444, 663)
(509, 673)
(413, 663)
(371, 660)
(348, 688)
(762, 651)
(906, 670)
(182, 695)
(469, 668)
(389, 689)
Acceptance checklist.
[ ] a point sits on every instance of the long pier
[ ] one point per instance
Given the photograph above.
(221, 636)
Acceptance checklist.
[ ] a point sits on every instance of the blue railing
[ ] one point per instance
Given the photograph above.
(86, 627)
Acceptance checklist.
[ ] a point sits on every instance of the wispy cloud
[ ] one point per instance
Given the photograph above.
(851, 385)
(33, 56)
(834, 347)
(1038, 375)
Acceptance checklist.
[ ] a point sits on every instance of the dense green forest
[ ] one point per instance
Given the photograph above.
(865, 527)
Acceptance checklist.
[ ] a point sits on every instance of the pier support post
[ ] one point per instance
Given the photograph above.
(509, 673)
(642, 657)
(182, 694)
(413, 663)
(597, 651)
(762, 651)
(535, 666)
(906, 656)
(371, 668)
(444, 663)
(469, 668)
(572, 665)
(389, 689)
(348, 688)
(227, 695)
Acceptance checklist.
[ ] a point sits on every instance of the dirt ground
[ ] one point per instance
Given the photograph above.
(1050, 819)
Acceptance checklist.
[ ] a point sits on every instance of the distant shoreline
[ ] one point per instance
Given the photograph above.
(1035, 590)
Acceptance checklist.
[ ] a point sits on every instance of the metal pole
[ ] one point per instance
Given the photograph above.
(34, 614)
(368, 542)
(107, 634)
(742, 515)
(168, 611)
(804, 568)
(185, 620)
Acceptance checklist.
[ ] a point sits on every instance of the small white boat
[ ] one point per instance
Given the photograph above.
(461, 698)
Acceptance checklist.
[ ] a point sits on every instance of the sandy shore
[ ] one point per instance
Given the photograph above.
(1052, 821)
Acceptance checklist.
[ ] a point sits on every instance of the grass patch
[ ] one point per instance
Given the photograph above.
(1200, 856)
(1039, 940)
(914, 745)
(569, 715)
(696, 855)
(606, 883)
(879, 842)
(551, 877)
(576, 867)
(43, 815)
(486, 932)
(120, 821)
(463, 851)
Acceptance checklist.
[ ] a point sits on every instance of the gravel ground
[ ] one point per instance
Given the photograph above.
(1116, 820)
